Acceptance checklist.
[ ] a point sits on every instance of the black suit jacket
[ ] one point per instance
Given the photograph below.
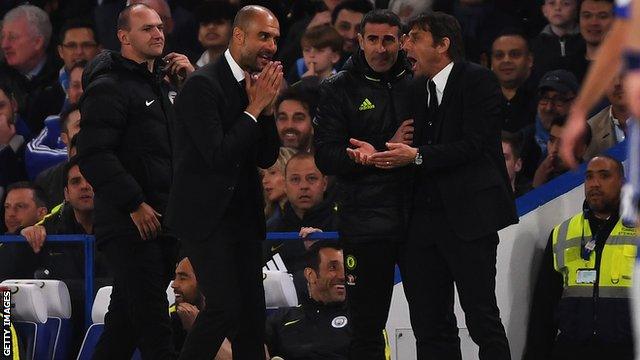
(465, 158)
(213, 140)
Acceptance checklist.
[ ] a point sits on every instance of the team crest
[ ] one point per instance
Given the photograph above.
(339, 322)
(172, 96)
(351, 262)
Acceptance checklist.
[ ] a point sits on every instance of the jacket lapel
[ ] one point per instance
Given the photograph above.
(236, 96)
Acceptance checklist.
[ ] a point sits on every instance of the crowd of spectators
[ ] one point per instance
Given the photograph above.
(539, 52)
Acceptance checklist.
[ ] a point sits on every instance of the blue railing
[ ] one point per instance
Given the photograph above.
(329, 235)
(88, 242)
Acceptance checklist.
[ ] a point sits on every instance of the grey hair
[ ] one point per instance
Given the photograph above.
(37, 19)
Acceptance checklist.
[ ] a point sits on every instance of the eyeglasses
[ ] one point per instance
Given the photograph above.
(555, 101)
(89, 45)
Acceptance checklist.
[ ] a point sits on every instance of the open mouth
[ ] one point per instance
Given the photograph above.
(265, 57)
(290, 135)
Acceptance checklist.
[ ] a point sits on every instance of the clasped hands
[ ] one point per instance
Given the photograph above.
(399, 153)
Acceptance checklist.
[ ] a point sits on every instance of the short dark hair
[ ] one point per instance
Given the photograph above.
(580, 2)
(361, 6)
(73, 161)
(442, 25)
(312, 256)
(322, 36)
(125, 16)
(305, 95)
(515, 32)
(616, 161)
(214, 11)
(39, 196)
(381, 17)
(77, 24)
(64, 117)
(514, 140)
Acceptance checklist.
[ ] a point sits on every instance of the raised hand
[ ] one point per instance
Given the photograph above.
(361, 151)
(263, 89)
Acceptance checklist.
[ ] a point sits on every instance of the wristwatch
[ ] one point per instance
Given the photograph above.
(418, 159)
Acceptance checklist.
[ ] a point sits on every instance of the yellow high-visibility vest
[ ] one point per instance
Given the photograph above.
(616, 265)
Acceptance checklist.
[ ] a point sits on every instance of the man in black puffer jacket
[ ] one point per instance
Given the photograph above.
(368, 101)
(124, 151)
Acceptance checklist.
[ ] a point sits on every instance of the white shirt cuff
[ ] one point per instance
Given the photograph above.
(251, 116)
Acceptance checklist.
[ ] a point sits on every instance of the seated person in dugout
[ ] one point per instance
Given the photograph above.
(318, 328)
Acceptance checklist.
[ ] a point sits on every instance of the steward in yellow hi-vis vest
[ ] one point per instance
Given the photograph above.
(580, 309)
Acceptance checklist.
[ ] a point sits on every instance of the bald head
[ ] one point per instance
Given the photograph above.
(254, 39)
(162, 8)
(248, 15)
(124, 19)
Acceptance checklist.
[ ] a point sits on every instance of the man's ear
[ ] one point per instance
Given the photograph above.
(123, 37)
(518, 165)
(335, 57)
(60, 51)
(310, 275)
(443, 46)
(42, 212)
(39, 41)
(238, 35)
(361, 41)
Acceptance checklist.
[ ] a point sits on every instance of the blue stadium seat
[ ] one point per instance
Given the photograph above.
(90, 341)
(99, 310)
(35, 337)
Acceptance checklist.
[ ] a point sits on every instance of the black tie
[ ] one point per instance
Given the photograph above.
(433, 98)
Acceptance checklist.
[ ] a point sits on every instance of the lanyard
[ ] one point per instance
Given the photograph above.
(587, 247)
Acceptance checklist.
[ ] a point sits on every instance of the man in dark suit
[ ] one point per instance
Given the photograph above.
(225, 129)
(461, 195)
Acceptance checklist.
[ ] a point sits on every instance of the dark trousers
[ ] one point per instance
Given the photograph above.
(138, 315)
(369, 273)
(228, 267)
(434, 259)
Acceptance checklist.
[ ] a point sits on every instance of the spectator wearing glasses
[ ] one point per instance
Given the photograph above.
(77, 43)
(557, 89)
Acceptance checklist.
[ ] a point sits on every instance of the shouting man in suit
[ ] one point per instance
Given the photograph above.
(224, 131)
(461, 195)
